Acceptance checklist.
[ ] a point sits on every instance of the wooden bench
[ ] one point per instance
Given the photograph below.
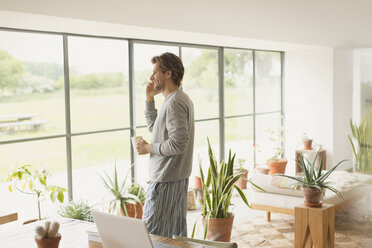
(9, 127)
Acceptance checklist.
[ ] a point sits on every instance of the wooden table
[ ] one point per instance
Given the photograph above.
(314, 227)
(74, 235)
(6, 217)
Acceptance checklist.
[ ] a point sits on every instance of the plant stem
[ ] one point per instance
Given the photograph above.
(38, 205)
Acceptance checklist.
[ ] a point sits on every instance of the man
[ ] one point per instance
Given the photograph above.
(171, 151)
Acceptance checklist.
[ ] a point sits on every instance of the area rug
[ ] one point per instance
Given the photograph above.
(353, 228)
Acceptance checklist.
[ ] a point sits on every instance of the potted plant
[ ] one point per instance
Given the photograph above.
(307, 142)
(218, 187)
(197, 184)
(121, 198)
(47, 236)
(136, 210)
(239, 169)
(34, 182)
(312, 181)
(276, 163)
(361, 143)
(76, 210)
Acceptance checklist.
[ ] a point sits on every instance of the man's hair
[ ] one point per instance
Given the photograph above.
(170, 62)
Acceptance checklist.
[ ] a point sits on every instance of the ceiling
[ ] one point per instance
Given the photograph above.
(334, 23)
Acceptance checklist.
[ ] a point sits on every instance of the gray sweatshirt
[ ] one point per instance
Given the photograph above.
(172, 137)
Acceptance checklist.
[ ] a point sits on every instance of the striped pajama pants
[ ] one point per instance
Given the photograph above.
(165, 208)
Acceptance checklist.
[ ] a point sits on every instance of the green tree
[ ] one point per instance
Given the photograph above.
(11, 71)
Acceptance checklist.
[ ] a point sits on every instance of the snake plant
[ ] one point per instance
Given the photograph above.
(218, 187)
(362, 150)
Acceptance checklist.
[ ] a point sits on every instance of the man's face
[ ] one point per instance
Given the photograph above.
(158, 78)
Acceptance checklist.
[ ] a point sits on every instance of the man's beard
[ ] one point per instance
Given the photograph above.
(159, 87)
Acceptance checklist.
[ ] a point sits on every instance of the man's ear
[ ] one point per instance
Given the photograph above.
(168, 74)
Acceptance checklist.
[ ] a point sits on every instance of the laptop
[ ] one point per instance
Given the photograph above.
(124, 232)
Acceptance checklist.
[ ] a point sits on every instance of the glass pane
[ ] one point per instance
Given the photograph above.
(31, 99)
(268, 81)
(201, 80)
(238, 82)
(365, 151)
(203, 130)
(239, 138)
(91, 156)
(268, 136)
(99, 82)
(49, 154)
(143, 67)
(142, 161)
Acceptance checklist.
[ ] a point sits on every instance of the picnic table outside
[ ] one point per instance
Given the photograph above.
(14, 123)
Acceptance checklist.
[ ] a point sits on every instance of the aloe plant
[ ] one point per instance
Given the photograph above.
(313, 177)
(120, 194)
(218, 187)
(362, 150)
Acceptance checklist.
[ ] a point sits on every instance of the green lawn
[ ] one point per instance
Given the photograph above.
(96, 110)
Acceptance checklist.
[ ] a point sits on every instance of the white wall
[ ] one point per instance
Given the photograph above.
(308, 100)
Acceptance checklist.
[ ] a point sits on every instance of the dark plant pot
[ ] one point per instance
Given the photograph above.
(48, 242)
(313, 197)
(277, 166)
(307, 144)
(219, 229)
(242, 182)
(132, 209)
(198, 183)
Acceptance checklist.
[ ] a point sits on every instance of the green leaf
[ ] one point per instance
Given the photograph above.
(31, 184)
(42, 180)
(53, 196)
(60, 196)
(242, 195)
(19, 175)
(10, 188)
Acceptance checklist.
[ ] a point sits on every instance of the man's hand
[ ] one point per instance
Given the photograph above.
(151, 92)
(143, 147)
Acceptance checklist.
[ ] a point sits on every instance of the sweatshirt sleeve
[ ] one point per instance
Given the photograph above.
(150, 114)
(177, 126)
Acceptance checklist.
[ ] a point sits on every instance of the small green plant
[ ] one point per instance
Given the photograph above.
(312, 177)
(31, 181)
(218, 188)
(120, 194)
(276, 136)
(138, 191)
(76, 210)
(362, 150)
(239, 166)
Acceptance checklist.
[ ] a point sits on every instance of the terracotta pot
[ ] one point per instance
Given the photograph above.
(132, 212)
(313, 197)
(48, 242)
(198, 183)
(242, 182)
(219, 229)
(277, 166)
(307, 144)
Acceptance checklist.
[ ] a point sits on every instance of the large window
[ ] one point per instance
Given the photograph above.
(71, 103)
